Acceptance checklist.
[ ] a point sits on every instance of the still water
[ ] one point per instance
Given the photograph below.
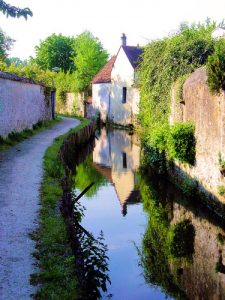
(160, 246)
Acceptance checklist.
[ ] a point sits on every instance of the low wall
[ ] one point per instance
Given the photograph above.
(207, 112)
(23, 103)
(73, 105)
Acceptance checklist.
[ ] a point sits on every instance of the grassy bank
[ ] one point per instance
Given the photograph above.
(55, 258)
(16, 137)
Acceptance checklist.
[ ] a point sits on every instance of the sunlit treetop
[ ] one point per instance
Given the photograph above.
(14, 12)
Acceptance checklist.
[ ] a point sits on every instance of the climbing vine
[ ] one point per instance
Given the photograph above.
(163, 62)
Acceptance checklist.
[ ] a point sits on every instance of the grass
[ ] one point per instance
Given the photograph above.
(16, 137)
(221, 190)
(55, 258)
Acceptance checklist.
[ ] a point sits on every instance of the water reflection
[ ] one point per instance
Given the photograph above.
(117, 157)
(186, 264)
(181, 246)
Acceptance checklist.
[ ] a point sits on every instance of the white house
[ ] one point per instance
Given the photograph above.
(218, 32)
(114, 92)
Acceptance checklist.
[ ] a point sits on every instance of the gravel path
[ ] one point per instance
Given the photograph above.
(20, 179)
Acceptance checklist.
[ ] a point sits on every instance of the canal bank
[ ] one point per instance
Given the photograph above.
(56, 276)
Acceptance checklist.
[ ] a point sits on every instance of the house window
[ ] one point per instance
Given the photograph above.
(124, 100)
(124, 160)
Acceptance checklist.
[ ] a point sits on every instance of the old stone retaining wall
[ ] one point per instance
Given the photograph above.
(73, 104)
(23, 103)
(207, 112)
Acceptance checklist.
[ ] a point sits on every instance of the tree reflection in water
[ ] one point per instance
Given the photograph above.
(181, 252)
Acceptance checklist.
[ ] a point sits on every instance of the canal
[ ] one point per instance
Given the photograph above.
(161, 245)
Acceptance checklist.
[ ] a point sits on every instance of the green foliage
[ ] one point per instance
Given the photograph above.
(220, 267)
(32, 71)
(221, 190)
(181, 239)
(154, 160)
(158, 138)
(89, 58)
(179, 87)
(181, 142)
(220, 239)
(85, 174)
(15, 61)
(64, 83)
(221, 163)
(5, 45)
(55, 257)
(56, 51)
(155, 252)
(216, 67)
(13, 11)
(163, 62)
(189, 186)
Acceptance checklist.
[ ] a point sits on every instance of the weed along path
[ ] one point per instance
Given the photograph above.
(20, 178)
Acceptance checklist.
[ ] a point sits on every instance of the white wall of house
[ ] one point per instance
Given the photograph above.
(123, 76)
(100, 98)
(22, 105)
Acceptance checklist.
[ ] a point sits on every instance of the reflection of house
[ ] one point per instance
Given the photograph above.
(114, 92)
(116, 156)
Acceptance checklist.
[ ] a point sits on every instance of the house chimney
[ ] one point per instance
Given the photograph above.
(124, 39)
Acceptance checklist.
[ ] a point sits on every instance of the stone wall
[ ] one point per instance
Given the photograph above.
(198, 278)
(23, 103)
(207, 112)
(73, 105)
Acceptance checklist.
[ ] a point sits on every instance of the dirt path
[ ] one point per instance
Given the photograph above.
(20, 179)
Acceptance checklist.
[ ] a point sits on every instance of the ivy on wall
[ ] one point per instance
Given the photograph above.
(164, 62)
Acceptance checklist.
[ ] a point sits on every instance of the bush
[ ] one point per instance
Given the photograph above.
(189, 186)
(221, 190)
(220, 239)
(158, 138)
(163, 62)
(181, 239)
(179, 87)
(216, 67)
(181, 142)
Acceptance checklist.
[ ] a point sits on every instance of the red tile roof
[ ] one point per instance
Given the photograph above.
(104, 75)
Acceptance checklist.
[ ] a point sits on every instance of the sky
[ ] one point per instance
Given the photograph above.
(141, 20)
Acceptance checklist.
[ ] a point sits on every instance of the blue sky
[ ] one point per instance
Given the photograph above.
(141, 20)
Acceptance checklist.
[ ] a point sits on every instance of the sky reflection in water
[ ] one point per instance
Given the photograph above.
(116, 209)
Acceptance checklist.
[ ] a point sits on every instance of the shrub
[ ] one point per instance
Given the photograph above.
(216, 67)
(179, 87)
(181, 142)
(181, 239)
(221, 164)
(154, 160)
(157, 139)
(221, 190)
(163, 62)
(220, 239)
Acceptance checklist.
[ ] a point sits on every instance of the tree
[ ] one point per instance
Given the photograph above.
(89, 58)
(56, 51)
(13, 11)
(16, 61)
(5, 45)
